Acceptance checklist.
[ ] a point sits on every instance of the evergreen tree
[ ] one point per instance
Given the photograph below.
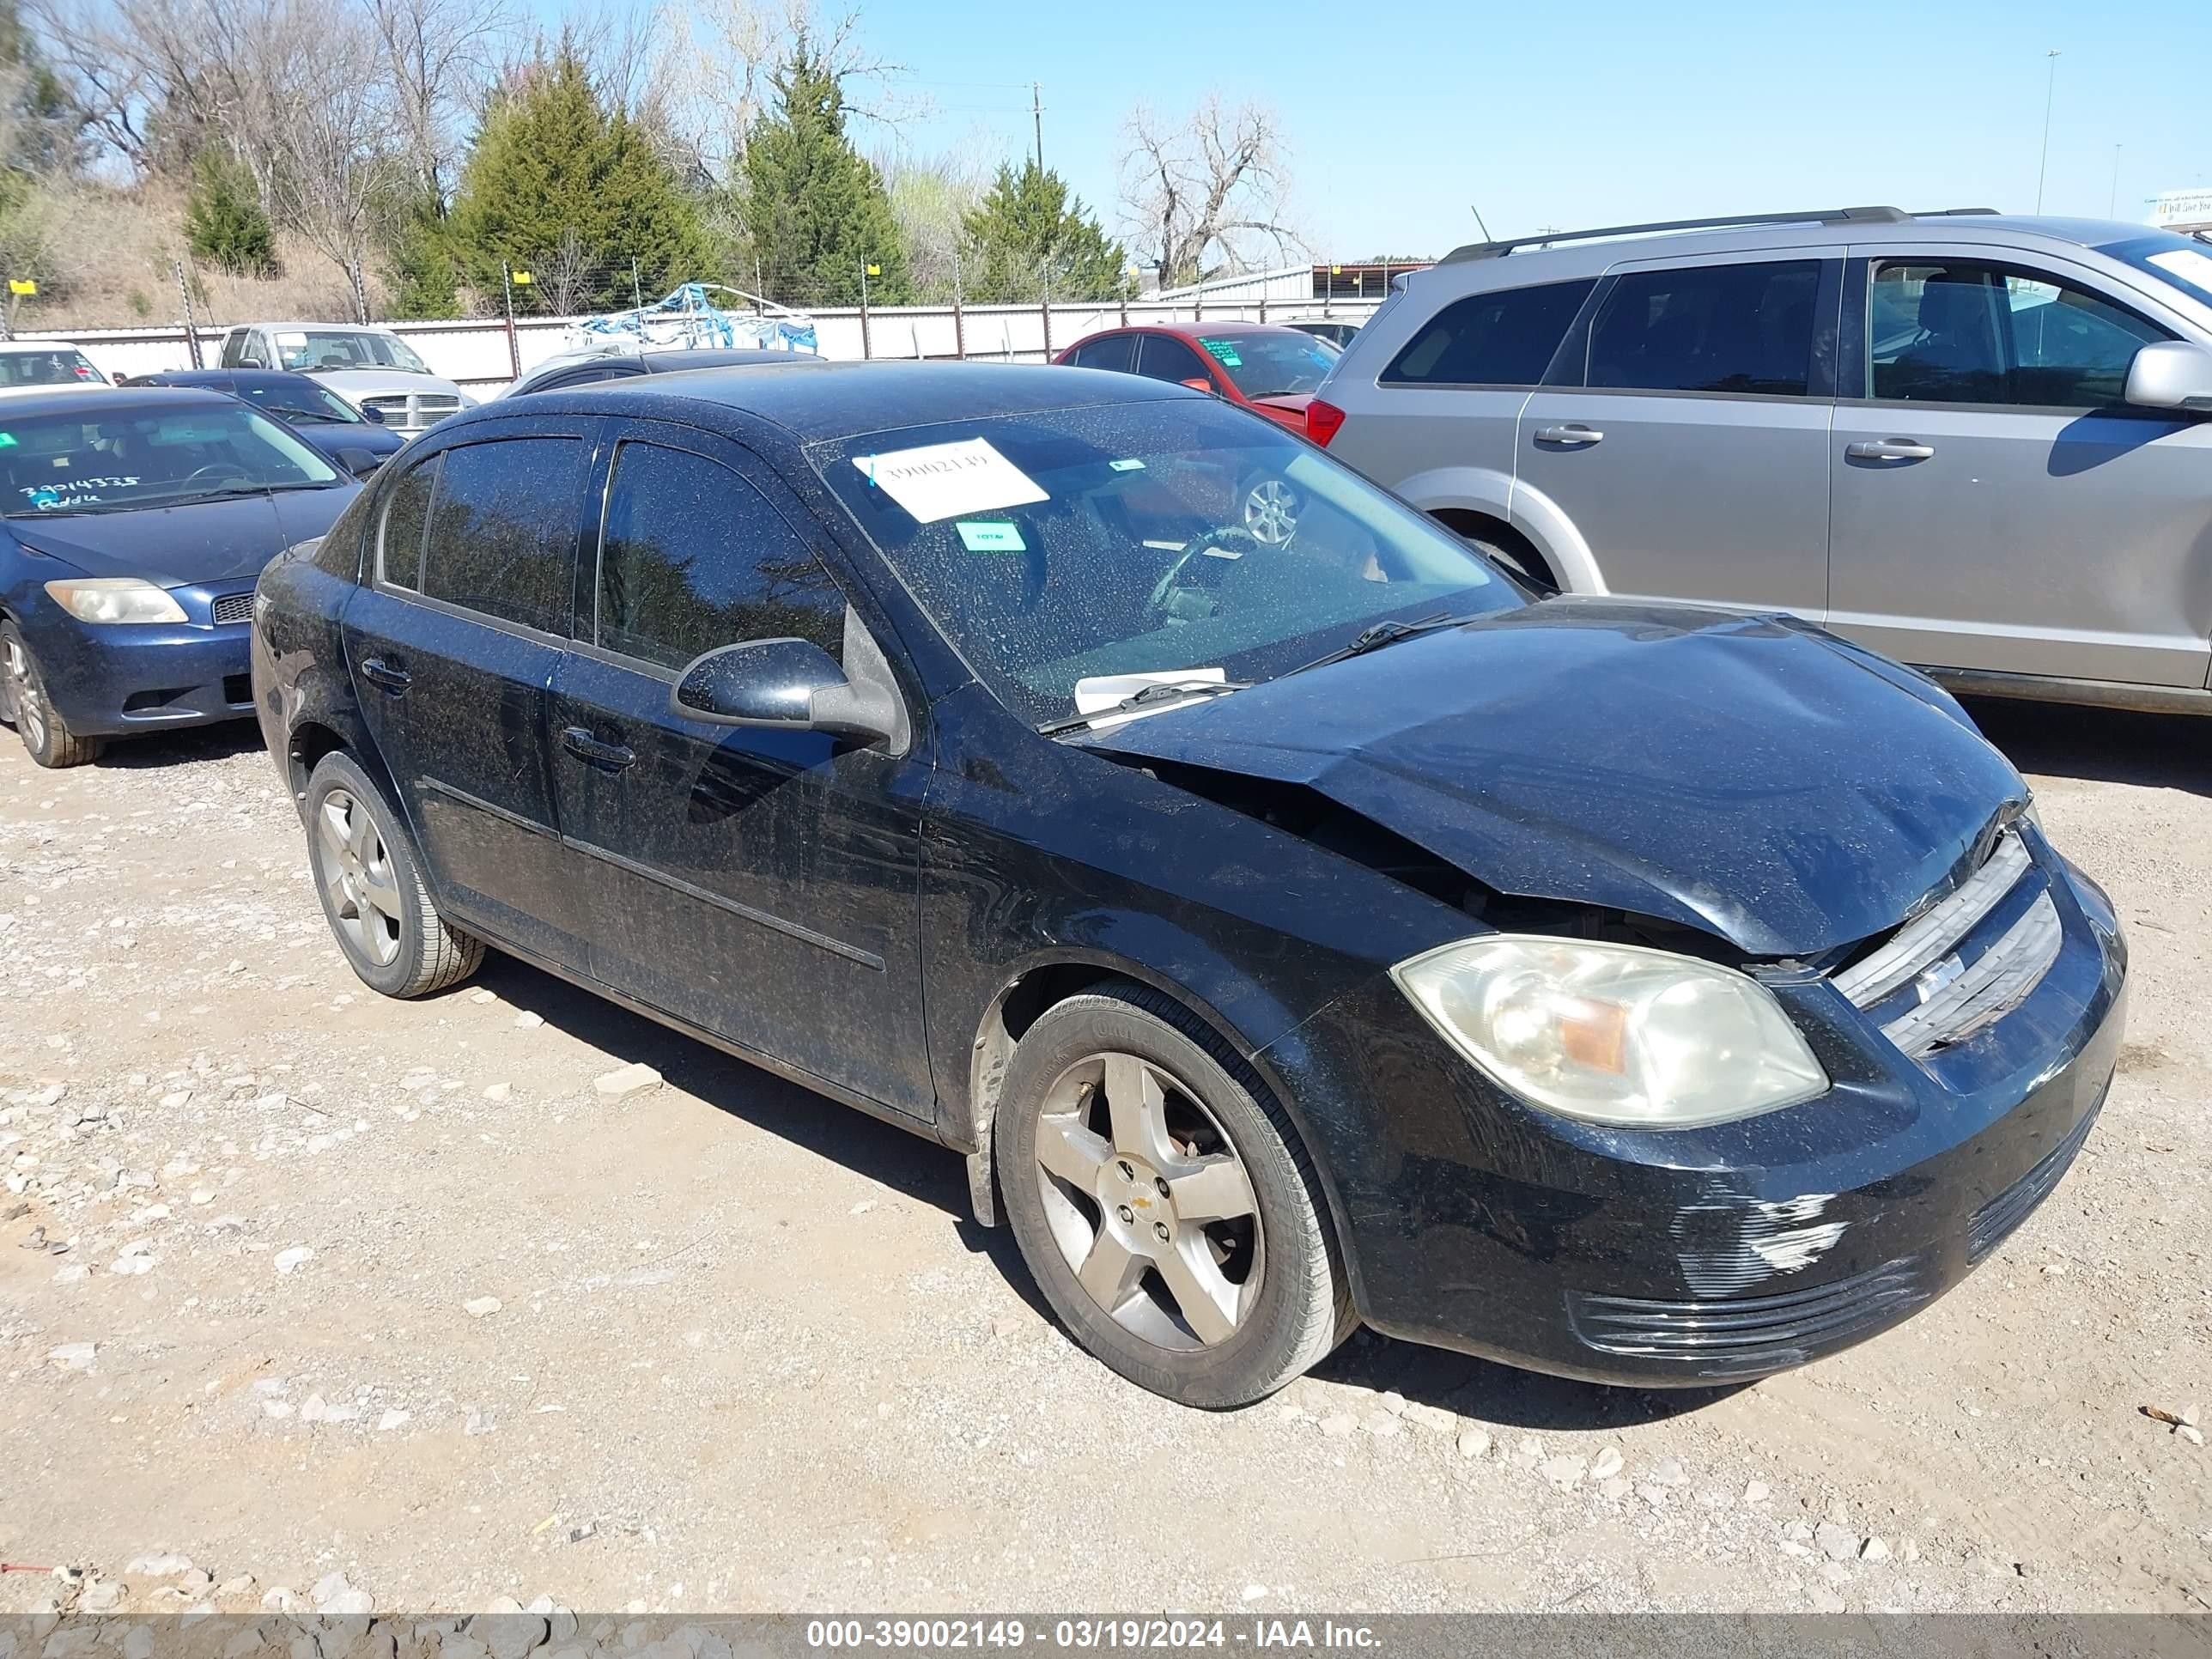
(564, 187)
(1028, 236)
(224, 224)
(424, 281)
(815, 208)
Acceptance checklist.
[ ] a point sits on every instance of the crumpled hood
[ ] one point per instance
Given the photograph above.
(1746, 776)
(203, 543)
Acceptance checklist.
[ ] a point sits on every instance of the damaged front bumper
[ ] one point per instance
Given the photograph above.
(1704, 1256)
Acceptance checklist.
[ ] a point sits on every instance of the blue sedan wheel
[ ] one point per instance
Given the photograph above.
(23, 705)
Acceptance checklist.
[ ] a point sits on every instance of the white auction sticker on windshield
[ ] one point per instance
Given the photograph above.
(938, 481)
(2186, 263)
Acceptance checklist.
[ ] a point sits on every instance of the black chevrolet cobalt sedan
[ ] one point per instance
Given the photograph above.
(1291, 933)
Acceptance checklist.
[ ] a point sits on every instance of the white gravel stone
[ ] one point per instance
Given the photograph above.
(498, 1092)
(624, 1081)
(1837, 1543)
(481, 1307)
(1473, 1441)
(293, 1260)
(393, 1419)
(73, 1356)
(1606, 1464)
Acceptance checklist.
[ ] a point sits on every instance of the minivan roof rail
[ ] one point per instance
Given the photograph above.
(1850, 216)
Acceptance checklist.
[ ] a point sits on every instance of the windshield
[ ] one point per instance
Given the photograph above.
(346, 348)
(305, 403)
(51, 463)
(1148, 537)
(1271, 365)
(48, 366)
(2183, 261)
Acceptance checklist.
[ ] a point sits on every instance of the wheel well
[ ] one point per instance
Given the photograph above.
(1482, 526)
(310, 742)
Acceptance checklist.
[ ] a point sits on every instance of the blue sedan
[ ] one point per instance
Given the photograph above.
(357, 441)
(134, 524)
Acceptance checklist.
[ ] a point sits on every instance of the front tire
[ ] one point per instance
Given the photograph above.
(1164, 1203)
(24, 705)
(370, 880)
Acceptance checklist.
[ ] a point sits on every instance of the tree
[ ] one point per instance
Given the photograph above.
(1028, 236)
(1203, 196)
(224, 224)
(558, 180)
(425, 281)
(931, 200)
(815, 209)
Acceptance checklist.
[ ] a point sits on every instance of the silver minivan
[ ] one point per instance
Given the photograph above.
(1980, 444)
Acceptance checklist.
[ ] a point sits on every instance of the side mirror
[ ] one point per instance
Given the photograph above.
(2171, 375)
(358, 462)
(792, 683)
(1200, 383)
(372, 414)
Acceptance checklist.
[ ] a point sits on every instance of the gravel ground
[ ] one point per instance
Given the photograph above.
(306, 1294)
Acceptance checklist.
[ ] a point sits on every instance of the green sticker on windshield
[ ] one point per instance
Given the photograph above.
(986, 538)
(1119, 466)
(7, 440)
(1224, 352)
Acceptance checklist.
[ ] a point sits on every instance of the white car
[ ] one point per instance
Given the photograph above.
(369, 367)
(45, 364)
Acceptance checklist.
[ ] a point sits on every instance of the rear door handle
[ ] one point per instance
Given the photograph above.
(382, 673)
(1890, 449)
(582, 745)
(1571, 437)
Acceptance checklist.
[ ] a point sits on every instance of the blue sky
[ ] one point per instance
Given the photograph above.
(1400, 115)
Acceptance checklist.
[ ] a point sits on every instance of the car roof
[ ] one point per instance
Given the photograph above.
(668, 360)
(322, 328)
(1478, 266)
(24, 342)
(813, 400)
(119, 399)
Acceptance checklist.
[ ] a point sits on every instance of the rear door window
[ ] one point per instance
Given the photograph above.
(1505, 338)
(1963, 332)
(503, 535)
(1741, 328)
(693, 557)
(1117, 352)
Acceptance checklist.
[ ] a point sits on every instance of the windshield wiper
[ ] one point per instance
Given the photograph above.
(1375, 636)
(1143, 698)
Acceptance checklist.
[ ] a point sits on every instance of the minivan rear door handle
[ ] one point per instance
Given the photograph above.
(1891, 449)
(1571, 437)
(380, 672)
(582, 745)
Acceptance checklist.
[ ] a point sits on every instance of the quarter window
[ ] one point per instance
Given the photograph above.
(1741, 328)
(1117, 352)
(1964, 333)
(406, 516)
(1504, 339)
(502, 537)
(693, 557)
(1166, 359)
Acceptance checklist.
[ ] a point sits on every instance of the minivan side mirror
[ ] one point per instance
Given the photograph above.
(371, 413)
(2171, 375)
(792, 683)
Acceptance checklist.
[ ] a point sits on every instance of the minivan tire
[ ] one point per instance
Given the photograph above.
(1302, 1308)
(25, 706)
(427, 953)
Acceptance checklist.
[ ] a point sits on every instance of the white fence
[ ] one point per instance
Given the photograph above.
(476, 353)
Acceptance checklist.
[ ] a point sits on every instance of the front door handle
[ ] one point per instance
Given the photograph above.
(1891, 449)
(1575, 436)
(582, 745)
(391, 678)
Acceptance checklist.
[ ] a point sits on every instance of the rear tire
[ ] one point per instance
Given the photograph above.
(369, 878)
(1164, 1203)
(23, 705)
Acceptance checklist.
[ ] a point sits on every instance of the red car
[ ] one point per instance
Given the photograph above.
(1270, 370)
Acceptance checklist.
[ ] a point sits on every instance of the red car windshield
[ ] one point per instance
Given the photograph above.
(1271, 365)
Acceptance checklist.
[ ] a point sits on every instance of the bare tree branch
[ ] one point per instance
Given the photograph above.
(1204, 195)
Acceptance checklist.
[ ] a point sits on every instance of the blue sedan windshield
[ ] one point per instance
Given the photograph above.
(118, 461)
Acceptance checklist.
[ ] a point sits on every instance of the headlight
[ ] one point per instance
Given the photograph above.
(1614, 1034)
(115, 599)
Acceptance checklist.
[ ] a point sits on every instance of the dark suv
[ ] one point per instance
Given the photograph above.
(1289, 933)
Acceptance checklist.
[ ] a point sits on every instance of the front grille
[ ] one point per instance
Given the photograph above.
(1996, 1220)
(234, 608)
(1750, 1335)
(412, 412)
(1965, 962)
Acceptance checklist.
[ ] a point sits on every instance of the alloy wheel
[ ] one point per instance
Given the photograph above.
(1149, 1202)
(357, 874)
(30, 709)
(1271, 511)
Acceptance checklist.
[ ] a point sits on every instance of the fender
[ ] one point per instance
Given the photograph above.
(1535, 514)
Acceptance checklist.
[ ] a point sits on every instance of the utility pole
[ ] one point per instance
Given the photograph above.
(191, 324)
(2050, 92)
(1037, 114)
